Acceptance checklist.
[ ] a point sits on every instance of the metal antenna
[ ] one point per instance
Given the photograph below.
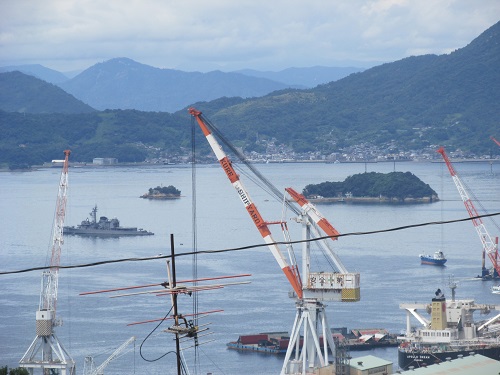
(174, 302)
(184, 328)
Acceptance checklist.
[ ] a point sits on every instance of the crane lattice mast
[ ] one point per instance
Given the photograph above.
(311, 339)
(490, 247)
(46, 351)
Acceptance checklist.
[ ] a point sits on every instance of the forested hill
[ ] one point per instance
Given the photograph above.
(20, 92)
(394, 185)
(33, 139)
(407, 105)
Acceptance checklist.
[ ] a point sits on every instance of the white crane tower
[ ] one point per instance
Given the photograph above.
(46, 352)
(309, 354)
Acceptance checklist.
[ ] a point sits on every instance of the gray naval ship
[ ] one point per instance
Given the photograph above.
(104, 227)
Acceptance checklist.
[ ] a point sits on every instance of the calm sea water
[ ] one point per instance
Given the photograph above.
(95, 325)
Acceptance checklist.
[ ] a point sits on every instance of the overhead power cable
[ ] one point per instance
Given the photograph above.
(93, 264)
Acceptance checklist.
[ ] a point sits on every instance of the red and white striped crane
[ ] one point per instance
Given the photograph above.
(311, 340)
(46, 352)
(290, 271)
(490, 247)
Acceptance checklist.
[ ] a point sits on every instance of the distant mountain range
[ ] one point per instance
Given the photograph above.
(125, 84)
(304, 77)
(408, 106)
(38, 71)
(122, 83)
(27, 94)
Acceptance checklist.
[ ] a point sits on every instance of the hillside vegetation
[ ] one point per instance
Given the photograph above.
(129, 136)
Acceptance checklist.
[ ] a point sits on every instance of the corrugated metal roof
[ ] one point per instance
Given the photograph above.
(467, 365)
(368, 361)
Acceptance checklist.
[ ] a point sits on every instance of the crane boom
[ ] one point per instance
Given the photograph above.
(291, 272)
(100, 370)
(489, 246)
(494, 140)
(321, 221)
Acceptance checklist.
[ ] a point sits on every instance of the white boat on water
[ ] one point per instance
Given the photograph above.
(495, 289)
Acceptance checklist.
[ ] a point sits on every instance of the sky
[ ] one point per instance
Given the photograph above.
(227, 35)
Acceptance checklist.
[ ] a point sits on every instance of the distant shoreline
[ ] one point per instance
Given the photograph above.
(82, 165)
(144, 164)
(371, 200)
(160, 196)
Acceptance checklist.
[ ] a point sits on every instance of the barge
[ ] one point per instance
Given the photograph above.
(277, 342)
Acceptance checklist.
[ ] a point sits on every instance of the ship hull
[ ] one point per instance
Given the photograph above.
(106, 232)
(432, 261)
(424, 358)
(103, 228)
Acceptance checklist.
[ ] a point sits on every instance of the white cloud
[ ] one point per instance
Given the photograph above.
(74, 34)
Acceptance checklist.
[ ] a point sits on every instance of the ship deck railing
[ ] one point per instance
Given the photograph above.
(475, 343)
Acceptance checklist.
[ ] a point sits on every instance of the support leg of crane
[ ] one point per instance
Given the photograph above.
(312, 322)
(52, 355)
(294, 343)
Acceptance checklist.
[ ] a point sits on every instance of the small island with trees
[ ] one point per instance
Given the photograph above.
(394, 187)
(162, 192)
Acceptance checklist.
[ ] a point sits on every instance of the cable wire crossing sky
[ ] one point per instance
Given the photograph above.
(228, 35)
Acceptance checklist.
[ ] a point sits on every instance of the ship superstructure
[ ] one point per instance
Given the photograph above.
(436, 259)
(451, 331)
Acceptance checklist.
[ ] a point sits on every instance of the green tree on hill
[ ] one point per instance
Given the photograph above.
(167, 190)
(13, 371)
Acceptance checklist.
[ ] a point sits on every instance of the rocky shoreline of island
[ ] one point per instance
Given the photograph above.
(374, 200)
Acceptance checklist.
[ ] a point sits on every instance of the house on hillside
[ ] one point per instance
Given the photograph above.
(105, 161)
